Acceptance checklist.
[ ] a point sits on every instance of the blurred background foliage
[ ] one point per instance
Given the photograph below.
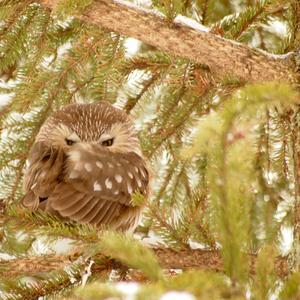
(225, 154)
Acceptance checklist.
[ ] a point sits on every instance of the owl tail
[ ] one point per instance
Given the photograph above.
(31, 201)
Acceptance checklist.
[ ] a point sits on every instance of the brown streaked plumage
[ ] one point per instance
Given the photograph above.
(85, 165)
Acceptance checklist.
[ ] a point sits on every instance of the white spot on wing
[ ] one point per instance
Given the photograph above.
(118, 178)
(88, 167)
(73, 175)
(130, 175)
(97, 186)
(99, 164)
(110, 165)
(108, 183)
(129, 188)
(116, 192)
(139, 182)
(136, 169)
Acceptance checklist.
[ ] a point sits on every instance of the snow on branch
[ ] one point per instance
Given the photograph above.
(186, 38)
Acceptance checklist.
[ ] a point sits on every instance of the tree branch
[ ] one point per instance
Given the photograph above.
(183, 38)
(167, 258)
(206, 259)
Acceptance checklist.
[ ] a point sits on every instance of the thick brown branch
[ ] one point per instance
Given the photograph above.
(206, 259)
(167, 258)
(224, 57)
(33, 265)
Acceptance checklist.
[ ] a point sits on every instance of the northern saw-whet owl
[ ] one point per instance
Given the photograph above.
(85, 164)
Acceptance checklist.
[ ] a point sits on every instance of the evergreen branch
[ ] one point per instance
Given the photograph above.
(22, 155)
(129, 251)
(13, 44)
(152, 61)
(296, 161)
(164, 183)
(124, 250)
(177, 188)
(175, 127)
(195, 218)
(167, 258)
(205, 259)
(43, 223)
(166, 230)
(132, 102)
(291, 288)
(38, 45)
(204, 6)
(179, 106)
(264, 281)
(294, 19)
(33, 264)
(17, 10)
(79, 87)
(222, 56)
(235, 25)
(230, 192)
(44, 284)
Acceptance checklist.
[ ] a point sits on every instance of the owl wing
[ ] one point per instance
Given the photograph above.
(98, 185)
(43, 173)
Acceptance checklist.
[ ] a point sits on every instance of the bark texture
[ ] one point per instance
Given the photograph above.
(222, 56)
(167, 258)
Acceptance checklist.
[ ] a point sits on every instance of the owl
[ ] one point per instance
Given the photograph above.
(85, 165)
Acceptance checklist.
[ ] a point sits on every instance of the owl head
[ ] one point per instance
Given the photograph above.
(98, 124)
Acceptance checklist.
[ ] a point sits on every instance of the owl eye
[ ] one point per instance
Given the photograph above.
(108, 143)
(46, 157)
(69, 142)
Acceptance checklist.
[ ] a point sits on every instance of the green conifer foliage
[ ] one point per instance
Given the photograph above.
(225, 155)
